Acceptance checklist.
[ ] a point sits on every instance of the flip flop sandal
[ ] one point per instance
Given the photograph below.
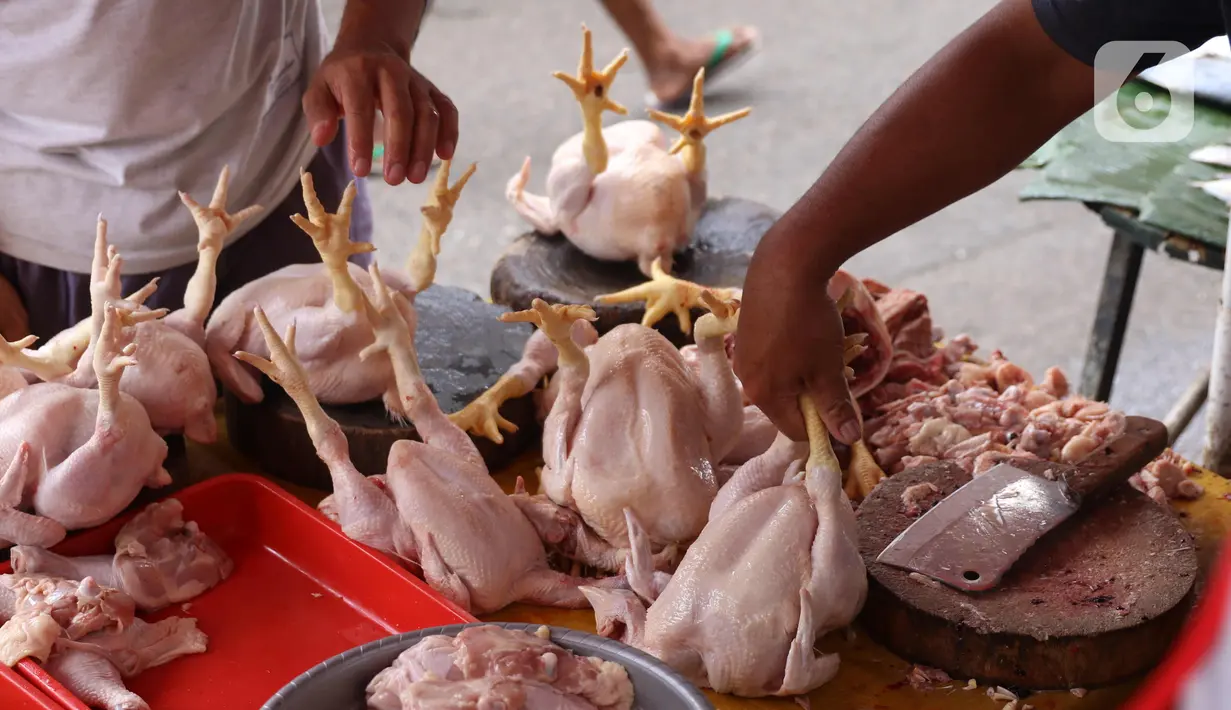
(722, 60)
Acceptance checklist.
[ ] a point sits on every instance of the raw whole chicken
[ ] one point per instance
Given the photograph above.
(776, 568)
(487, 663)
(632, 426)
(90, 451)
(159, 560)
(173, 380)
(618, 193)
(665, 294)
(325, 303)
(442, 508)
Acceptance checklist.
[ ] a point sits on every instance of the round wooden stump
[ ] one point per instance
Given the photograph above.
(551, 268)
(1095, 602)
(463, 349)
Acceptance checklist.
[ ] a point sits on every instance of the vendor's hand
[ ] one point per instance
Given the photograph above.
(357, 78)
(14, 323)
(790, 342)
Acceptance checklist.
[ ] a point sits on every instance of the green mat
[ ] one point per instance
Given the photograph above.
(1151, 178)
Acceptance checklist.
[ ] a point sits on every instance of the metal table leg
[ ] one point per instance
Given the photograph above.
(1111, 319)
(1217, 454)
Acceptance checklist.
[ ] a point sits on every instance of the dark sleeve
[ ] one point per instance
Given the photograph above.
(1081, 27)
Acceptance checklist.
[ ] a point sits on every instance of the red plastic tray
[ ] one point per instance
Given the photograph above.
(1164, 687)
(300, 593)
(17, 694)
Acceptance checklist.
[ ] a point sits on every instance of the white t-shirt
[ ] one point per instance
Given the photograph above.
(113, 106)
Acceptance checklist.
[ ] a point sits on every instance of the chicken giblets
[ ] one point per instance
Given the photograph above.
(90, 451)
(776, 568)
(488, 664)
(618, 193)
(442, 509)
(632, 426)
(325, 303)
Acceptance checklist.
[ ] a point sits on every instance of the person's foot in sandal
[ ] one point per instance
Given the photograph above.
(672, 71)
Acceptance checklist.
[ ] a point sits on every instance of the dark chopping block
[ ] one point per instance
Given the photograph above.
(551, 268)
(1094, 602)
(463, 349)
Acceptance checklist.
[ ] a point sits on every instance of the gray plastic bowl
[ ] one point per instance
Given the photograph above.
(339, 682)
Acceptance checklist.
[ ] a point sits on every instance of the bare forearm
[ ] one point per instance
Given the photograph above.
(395, 22)
(965, 119)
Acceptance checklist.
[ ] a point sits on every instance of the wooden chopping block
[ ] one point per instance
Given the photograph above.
(1094, 602)
(463, 349)
(551, 268)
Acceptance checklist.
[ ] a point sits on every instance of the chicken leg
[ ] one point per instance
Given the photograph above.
(106, 472)
(93, 679)
(17, 527)
(556, 322)
(694, 126)
(331, 235)
(214, 225)
(437, 214)
(365, 513)
(592, 89)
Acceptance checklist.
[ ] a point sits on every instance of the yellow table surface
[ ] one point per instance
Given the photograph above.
(871, 678)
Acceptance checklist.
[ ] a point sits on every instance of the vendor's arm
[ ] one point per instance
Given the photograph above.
(976, 110)
(14, 323)
(369, 69)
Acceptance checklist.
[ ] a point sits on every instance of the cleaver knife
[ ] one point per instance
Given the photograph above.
(970, 539)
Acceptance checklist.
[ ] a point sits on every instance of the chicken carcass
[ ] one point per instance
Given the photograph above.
(325, 303)
(173, 381)
(618, 193)
(474, 546)
(519, 666)
(773, 571)
(632, 426)
(91, 451)
(665, 294)
(159, 560)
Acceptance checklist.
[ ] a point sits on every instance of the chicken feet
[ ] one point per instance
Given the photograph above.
(437, 214)
(664, 294)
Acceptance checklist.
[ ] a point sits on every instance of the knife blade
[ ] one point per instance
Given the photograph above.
(972, 538)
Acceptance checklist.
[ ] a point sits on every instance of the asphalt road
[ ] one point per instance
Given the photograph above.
(1022, 277)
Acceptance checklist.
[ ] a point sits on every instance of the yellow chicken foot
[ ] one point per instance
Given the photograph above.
(820, 451)
(593, 92)
(722, 319)
(864, 473)
(556, 322)
(664, 294)
(214, 225)
(482, 416)
(437, 211)
(331, 235)
(694, 126)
